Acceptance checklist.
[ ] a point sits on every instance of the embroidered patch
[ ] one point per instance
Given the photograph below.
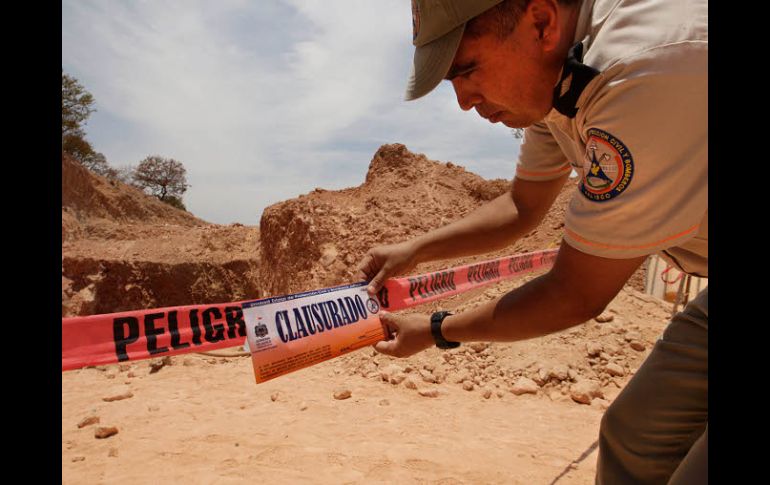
(607, 166)
(415, 20)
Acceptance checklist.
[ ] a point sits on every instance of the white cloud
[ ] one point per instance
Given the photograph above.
(263, 100)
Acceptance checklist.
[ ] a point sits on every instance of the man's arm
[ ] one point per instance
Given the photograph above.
(492, 226)
(578, 288)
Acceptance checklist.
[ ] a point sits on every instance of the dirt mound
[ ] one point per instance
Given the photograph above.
(86, 196)
(124, 250)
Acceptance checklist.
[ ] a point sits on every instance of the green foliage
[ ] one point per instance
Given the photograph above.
(76, 106)
(162, 177)
(175, 202)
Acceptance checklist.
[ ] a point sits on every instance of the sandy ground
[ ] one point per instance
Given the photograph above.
(210, 423)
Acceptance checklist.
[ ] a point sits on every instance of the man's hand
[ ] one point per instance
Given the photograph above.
(412, 334)
(383, 262)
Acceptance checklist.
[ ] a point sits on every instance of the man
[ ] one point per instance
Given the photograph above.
(617, 91)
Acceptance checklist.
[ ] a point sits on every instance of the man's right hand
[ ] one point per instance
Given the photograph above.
(383, 262)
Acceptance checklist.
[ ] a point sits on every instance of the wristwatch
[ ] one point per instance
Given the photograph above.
(435, 328)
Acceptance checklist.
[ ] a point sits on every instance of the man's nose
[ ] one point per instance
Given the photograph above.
(467, 97)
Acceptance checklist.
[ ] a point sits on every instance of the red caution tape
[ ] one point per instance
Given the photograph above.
(285, 333)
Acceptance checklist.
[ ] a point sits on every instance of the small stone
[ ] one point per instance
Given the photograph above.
(614, 369)
(427, 376)
(593, 349)
(410, 383)
(112, 453)
(302, 406)
(118, 397)
(468, 385)
(340, 394)
(428, 392)
(499, 393)
(156, 365)
(555, 395)
(390, 371)
(605, 317)
(384, 402)
(153, 408)
(105, 432)
(397, 378)
(78, 458)
(572, 374)
(559, 372)
(637, 345)
(633, 335)
(604, 356)
(524, 385)
(188, 362)
(274, 396)
(88, 421)
(131, 374)
(585, 390)
(600, 403)
(123, 367)
(478, 346)
(487, 393)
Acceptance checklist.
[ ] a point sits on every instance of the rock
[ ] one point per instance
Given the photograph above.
(123, 367)
(559, 372)
(468, 385)
(398, 378)
(461, 376)
(605, 317)
(302, 406)
(487, 393)
(593, 349)
(427, 376)
(340, 394)
(499, 393)
(605, 356)
(156, 365)
(105, 432)
(410, 383)
(614, 369)
(584, 391)
(478, 346)
(118, 397)
(384, 402)
(131, 374)
(524, 385)
(637, 345)
(88, 421)
(633, 335)
(390, 371)
(274, 396)
(600, 403)
(112, 453)
(78, 458)
(433, 392)
(555, 395)
(572, 374)
(429, 367)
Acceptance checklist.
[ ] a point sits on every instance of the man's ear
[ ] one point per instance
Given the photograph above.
(544, 16)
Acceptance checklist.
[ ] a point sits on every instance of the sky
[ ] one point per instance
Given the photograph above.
(263, 101)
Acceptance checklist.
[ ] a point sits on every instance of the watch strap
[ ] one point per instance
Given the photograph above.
(435, 328)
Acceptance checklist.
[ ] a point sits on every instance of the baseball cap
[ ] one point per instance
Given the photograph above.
(437, 28)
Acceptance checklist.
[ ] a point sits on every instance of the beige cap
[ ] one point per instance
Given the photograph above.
(437, 27)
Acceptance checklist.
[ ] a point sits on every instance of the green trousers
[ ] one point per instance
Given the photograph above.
(656, 430)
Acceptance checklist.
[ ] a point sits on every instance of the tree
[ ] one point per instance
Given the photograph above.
(76, 106)
(162, 177)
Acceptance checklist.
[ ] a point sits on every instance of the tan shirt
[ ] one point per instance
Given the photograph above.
(639, 141)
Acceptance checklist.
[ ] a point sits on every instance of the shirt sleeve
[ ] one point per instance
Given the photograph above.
(644, 173)
(540, 157)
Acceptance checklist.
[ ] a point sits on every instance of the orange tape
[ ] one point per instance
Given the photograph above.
(285, 333)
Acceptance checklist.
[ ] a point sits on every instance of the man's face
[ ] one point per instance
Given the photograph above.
(507, 81)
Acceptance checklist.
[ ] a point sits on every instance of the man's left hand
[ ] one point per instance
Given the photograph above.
(412, 334)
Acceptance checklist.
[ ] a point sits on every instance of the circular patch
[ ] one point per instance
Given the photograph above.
(415, 20)
(372, 305)
(607, 166)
